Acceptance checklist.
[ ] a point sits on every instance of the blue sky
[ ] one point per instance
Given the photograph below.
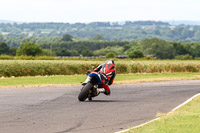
(98, 10)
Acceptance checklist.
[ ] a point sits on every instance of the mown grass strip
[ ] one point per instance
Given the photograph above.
(184, 120)
(76, 79)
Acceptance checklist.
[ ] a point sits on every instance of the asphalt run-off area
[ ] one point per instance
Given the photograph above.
(57, 109)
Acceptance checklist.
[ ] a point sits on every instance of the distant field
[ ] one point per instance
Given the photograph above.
(19, 68)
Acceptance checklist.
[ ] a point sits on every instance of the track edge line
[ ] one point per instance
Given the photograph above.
(187, 101)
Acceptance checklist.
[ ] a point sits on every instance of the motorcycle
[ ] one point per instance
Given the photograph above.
(92, 86)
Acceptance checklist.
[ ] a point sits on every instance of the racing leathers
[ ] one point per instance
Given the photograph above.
(109, 71)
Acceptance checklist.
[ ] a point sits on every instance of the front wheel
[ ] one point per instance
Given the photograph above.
(83, 95)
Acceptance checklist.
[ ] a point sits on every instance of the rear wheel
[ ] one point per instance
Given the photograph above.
(83, 95)
(90, 98)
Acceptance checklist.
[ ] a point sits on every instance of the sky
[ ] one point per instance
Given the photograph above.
(73, 11)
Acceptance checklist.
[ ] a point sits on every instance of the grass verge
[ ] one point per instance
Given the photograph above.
(184, 120)
(76, 79)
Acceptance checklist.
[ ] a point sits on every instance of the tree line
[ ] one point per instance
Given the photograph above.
(110, 31)
(67, 45)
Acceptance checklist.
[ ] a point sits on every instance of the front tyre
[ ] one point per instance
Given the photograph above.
(83, 95)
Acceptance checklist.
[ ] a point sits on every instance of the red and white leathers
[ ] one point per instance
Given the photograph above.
(108, 69)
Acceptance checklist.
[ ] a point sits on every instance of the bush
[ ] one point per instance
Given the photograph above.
(48, 52)
(87, 52)
(136, 54)
(148, 58)
(184, 57)
(110, 55)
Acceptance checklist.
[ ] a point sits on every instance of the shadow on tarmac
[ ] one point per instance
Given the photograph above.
(109, 101)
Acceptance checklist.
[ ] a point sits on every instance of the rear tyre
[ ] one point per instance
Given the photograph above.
(90, 98)
(83, 95)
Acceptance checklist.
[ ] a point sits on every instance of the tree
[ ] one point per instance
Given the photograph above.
(110, 55)
(98, 37)
(189, 47)
(67, 38)
(197, 35)
(47, 52)
(86, 52)
(162, 50)
(4, 48)
(157, 47)
(1, 38)
(74, 53)
(29, 49)
(62, 52)
(196, 49)
(126, 47)
(179, 49)
(12, 51)
(136, 54)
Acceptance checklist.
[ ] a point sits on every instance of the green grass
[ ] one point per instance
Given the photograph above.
(122, 77)
(185, 120)
(46, 80)
(76, 79)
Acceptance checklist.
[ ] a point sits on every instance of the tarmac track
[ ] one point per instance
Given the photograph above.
(57, 109)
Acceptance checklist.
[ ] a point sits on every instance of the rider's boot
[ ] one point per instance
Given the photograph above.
(107, 92)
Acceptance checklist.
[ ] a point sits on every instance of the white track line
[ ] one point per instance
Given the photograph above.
(190, 99)
(186, 102)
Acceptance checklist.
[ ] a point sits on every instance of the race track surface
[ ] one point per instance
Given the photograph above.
(57, 109)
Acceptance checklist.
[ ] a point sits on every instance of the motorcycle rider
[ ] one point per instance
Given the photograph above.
(106, 69)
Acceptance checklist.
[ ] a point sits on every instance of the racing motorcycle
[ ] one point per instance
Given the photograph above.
(92, 86)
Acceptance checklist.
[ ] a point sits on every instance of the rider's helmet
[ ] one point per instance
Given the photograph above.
(110, 61)
(109, 67)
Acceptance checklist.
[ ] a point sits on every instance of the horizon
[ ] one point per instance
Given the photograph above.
(172, 22)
